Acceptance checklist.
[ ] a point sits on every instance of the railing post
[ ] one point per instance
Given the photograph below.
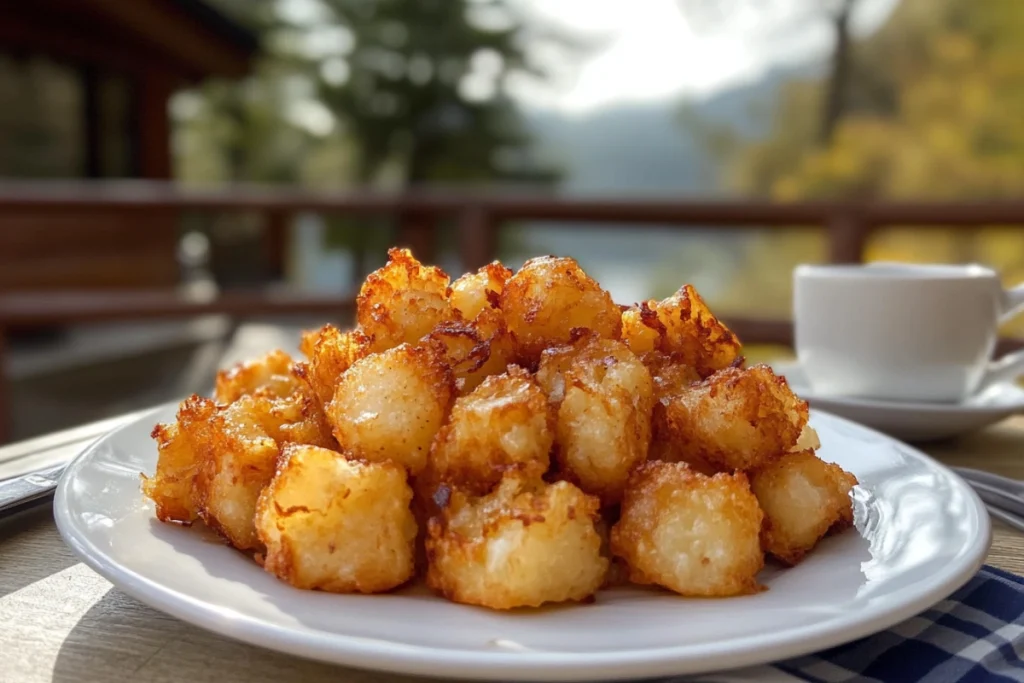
(276, 243)
(478, 237)
(847, 236)
(6, 416)
(417, 230)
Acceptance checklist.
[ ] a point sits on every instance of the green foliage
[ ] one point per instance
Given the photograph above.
(936, 112)
(424, 91)
(244, 130)
(387, 92)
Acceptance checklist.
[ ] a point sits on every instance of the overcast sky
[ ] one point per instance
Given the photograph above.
(652, 52)
(649, 50)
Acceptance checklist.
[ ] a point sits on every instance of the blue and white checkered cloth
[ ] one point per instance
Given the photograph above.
(974, 636)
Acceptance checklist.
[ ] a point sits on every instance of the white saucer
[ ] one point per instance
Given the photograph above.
(912, 421)
(920, 534)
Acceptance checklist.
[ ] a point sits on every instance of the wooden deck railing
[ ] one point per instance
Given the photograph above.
(478, 218)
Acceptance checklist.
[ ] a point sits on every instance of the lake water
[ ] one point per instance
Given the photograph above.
(633, 263)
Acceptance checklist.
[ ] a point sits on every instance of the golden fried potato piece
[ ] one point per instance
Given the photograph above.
(475, 350)
(802, 498)
(307, 342)
(503, 424)
(337, 525)
(736, 419)
(297, 418)
(693, 534)
(332, 354)
(271, 373)
(666, 448)
(525, 544)
(683, 325)
(171, 486)
(548, 298)
(390, 405)
(479, 291)
(236, 460)
(672, 376)
(670, 372)
(808, 440)
(603, 398)
(402, 301)
(215, 460)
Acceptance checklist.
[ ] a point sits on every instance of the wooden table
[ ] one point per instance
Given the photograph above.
(60, 621)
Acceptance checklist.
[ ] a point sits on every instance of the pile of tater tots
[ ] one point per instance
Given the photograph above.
(513, 439)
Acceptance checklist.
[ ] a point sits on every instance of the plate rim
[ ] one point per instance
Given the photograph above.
(806, 393)
(399, 658)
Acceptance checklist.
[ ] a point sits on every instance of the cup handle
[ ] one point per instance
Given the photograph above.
(1011, 366)
(1006, 369)
(1013, 303)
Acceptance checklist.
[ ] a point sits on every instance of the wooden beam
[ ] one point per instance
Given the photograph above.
(71, 307)
(276, 243)
(92, 127)
(153, 125)
(40, 29)
(6, 428)
(668, 214)
(176, 34)
(847, 236)
(478, 238)
(754, 331)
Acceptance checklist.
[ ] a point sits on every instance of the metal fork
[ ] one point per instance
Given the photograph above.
(1003, 497)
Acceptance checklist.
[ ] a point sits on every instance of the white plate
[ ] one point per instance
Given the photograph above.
(921, 534)
(913, 421)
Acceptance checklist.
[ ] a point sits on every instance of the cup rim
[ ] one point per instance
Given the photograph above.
(892, 271)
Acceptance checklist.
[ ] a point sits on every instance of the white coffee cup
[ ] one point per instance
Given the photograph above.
(902, 332)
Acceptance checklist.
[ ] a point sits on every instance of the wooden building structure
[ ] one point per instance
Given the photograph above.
(119, 61)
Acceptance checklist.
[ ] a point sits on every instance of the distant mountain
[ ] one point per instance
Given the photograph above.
(639, 150)
(630, 149)
(643, 149)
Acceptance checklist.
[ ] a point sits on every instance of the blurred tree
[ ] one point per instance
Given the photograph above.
(374, 92)
(955, 130)
(839, 16)
(420, 87)
(254, 129)
(937, 113)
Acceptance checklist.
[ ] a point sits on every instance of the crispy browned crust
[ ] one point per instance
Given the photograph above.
(297, 418)
(670, 372)
(332, 354)
(272, 372)
(307, 342)
(547, 298)
(171, 486)
(602, 397)
(474, 350)
(353, 532)
(503, 424)
(546, 531)
(672, 376)
(794, 521)
(390, 405)
(217, 457)
(236, 460)
(735, 419)
(681, 325)
(402, 301)
(476, 292)
(671, 513)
